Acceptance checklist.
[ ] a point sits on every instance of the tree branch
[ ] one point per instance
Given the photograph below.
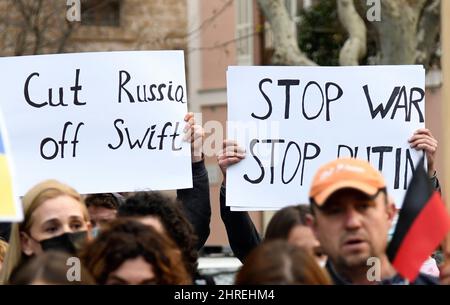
(223, 45)
(397, 32)
(427, 32)
(210, 19)
(25, 13)
(36, 29)
(65, 37)
(355, 47)
(417, 4)
(20, 45)
(286, 47)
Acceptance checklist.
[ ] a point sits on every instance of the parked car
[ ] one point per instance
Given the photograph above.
(220, 263)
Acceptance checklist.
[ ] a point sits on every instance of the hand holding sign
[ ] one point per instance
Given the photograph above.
(194, 134)
(291, 120)
(422, 139)
(230, 154)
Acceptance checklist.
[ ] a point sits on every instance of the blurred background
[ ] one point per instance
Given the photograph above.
(217, 33)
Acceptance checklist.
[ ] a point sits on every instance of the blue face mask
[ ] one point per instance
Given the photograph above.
(95, 231)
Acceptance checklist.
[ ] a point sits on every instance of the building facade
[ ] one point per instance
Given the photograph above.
(223, 33)
(41, 26)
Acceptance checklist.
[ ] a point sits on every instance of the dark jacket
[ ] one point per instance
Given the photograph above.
(422, 279)
(197, 208)
(196, 203)
(242, 234)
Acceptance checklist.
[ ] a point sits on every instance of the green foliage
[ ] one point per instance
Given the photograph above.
(321, 36)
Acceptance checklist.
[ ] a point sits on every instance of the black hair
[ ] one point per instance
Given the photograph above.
(169, 212)
(110, 201)
(125, 239)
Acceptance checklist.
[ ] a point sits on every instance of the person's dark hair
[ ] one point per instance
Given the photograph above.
(279, 263)
(169, 212)
(285, 219)
(49, 267)
(104, 200)
(125, 239)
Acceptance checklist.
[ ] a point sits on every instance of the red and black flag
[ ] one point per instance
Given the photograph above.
(422, 224)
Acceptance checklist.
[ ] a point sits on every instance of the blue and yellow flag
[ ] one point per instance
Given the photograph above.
(9, 209)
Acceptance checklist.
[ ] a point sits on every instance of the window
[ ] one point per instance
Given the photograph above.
(244, 32)
(100, 12)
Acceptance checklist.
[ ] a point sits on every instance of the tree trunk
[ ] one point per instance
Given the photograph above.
(428, 32)
(355, 47)
(407, 32)
(397, 31)
(286, 50)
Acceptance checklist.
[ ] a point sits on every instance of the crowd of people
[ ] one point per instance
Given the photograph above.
(150, 238)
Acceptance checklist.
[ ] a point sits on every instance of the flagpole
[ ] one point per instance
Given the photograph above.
(445, 63)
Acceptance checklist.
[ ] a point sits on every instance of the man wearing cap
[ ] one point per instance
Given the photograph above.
(352, 218)
(242, 233)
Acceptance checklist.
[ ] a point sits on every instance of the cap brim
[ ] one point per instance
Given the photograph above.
(322, 197)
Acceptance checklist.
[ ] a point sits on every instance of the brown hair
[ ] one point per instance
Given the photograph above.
(279, 263)
(285, 219)
(103, 200)
(174, 221)
(125, 239)
(49, 268)
(33, 199)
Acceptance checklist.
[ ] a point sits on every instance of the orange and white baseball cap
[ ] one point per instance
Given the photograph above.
(345, 173)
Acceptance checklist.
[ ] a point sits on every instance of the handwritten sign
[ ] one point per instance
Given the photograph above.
(100, 122)
(292, 120)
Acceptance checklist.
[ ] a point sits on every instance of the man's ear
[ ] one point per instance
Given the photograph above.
(311, 223)
(309, 220)
(25, 242)
(391, 210)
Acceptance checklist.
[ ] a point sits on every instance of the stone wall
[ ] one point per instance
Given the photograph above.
(144, 25)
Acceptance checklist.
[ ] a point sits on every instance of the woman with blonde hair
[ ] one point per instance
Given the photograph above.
(51, 268)
(55, 217)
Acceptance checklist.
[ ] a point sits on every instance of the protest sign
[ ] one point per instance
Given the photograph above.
(100, 122)
(291, 120)
(10, 207)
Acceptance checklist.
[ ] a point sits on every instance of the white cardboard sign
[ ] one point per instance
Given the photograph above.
(292, 120)
(101, 122)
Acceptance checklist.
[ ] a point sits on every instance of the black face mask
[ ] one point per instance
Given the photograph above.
(67, 242)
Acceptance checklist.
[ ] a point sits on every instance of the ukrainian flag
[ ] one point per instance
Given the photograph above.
(7, 201)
